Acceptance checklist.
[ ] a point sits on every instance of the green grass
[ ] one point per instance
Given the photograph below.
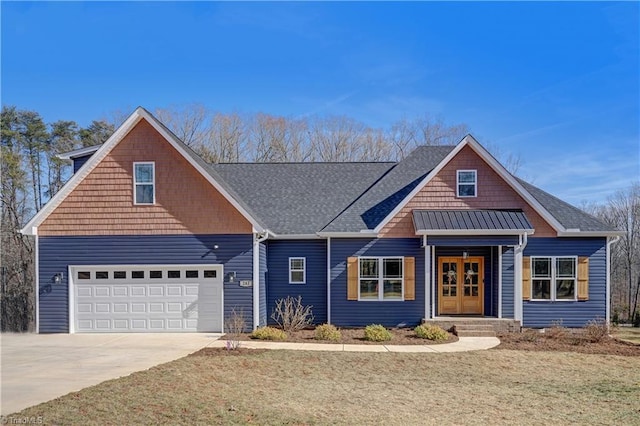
(630, 334)
(297, 387)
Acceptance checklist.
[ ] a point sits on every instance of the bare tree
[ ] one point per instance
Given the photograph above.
(189, 123)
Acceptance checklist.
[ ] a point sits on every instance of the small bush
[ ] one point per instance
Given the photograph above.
(235, 326)
(291, 314)
(268, 333)
(327, 332)
(377, 333)
(431, 332)
(556, 331)
(596, 330)
(636, 320)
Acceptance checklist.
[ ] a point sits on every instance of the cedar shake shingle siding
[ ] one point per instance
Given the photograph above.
(186, 203)
(440, 193)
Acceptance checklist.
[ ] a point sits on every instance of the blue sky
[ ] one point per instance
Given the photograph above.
(555, 83)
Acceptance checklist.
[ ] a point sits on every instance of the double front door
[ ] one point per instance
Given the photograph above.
(460, 285)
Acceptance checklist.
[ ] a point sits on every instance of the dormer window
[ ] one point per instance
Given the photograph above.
(467, 183)
(144, 185)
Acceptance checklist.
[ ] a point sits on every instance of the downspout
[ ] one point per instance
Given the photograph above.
(517, 291)
(610, 242)
(328, 280)
(256, 277)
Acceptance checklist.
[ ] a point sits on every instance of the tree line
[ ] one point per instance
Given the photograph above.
(32, 173)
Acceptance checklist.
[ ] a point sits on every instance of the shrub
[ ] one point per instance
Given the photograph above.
(431, 332)
(616, 318)
(377, 333)
(556, 331)
(636, 320)
(596, 330)
(235, 326)
(291, 314)
(327, 332)
(268, 333)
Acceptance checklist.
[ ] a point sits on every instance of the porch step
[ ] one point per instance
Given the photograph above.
(473, 330)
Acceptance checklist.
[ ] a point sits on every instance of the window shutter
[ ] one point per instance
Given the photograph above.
(352, 278)
(583, 278)
(526, 278)
(409, 278)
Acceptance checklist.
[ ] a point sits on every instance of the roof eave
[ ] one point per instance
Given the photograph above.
(76, 153)
(361, 234)
(591, 234)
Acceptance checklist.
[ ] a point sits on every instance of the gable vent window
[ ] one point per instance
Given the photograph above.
(144, 185)
(467, 183)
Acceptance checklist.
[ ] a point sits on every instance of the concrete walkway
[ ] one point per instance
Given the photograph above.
(464, 344)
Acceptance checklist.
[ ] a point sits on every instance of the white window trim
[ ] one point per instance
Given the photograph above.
(554, 277)
(304, 270)
(475, 183)
(153, 182)
(381, 279)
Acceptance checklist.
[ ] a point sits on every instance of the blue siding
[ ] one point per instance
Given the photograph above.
(263, 285)
(314, 292)
(57, 253)
(494, 279)
(467, 241)
(79, 162)
(508, 275)
(572, 314)
(350, 313)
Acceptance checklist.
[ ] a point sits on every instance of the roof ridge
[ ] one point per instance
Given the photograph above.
(358, 197)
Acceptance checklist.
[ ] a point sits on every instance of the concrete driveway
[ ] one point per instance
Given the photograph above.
(36, 368)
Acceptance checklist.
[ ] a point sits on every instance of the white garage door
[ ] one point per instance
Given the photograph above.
(149, 298)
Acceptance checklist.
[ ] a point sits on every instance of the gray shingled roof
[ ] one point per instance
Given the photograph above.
(464, 220)
(569, 216)
(305, 198)
(299, 198)
(392, 188)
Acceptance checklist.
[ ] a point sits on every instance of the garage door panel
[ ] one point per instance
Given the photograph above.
(138, 291)
(102, 291)
(102, 308)
(120, 290)
(107, 301)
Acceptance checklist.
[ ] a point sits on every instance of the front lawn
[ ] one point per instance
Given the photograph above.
(298, 387)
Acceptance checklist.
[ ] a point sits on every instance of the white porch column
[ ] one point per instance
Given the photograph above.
(328, 280)
(499, 281)
(517, 279)
(427, 279)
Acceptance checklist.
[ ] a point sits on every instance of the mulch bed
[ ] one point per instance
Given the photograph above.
(532, 340)
(401, 336)
(528, 340)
